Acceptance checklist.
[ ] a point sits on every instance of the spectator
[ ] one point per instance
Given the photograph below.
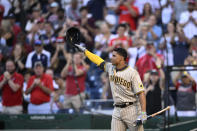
(61, 18)
(140, 40)
(38, 31)
(6, 4)
(193, 44)
(179, 7)
(147, 11)
(19, 58)
(111, 19)
(39, 54)
(128, 13)
(14, 27)
(186, 89)
(53, 14)
(22, 39)
(154, 82)
(180, 46)
(96, 8)
(40, 87)
(72, 11)
(11, 84)
(155, 31)
(149, 60)
(31, 5)
(87, 25)
(121, 40)
(188, 20)
(47, 37)
(58, 53)
(86, 21)
(167, 12)
(166, 44)
(75, 74)
(140, 4)
(192, 61)
(4, 49)
(101, 40)
(34, 17)
(106, 91)
(8, 34)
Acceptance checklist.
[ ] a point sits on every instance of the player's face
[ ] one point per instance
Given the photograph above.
(116, 58)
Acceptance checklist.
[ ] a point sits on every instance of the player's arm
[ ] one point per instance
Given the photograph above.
(142, 99)
(92, 57)
(139, 90)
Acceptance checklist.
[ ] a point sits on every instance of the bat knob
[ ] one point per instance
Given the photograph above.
(137, 123)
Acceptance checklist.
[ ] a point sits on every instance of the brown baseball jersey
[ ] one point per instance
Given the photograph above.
(125, 85)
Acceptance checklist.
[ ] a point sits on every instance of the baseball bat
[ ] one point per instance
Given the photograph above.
(139, 122)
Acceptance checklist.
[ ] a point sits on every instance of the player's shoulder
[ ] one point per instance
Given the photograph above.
(132, 70)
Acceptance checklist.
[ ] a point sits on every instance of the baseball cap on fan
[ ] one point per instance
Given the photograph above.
(38, 42)
(54, 4)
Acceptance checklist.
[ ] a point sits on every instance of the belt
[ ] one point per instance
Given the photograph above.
(123, 105)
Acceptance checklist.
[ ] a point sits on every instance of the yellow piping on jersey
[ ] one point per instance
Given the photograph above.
(94, 58)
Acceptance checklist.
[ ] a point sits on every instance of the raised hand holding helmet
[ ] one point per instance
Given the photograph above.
(80, 48)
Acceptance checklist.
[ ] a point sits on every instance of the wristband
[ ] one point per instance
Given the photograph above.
(159, 67)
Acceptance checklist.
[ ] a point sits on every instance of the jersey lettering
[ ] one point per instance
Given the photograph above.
(121, 81)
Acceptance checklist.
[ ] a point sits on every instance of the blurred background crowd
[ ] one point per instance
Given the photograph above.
(40, 73)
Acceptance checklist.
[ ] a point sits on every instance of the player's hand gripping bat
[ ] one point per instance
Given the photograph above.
(139, 122)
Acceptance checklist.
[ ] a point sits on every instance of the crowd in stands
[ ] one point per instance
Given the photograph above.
(40, 73)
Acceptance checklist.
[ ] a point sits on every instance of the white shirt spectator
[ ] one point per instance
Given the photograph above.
(44, 57)
(166, 14)
(190, 29)
(168, 53)
(7, 6)
(179, 7)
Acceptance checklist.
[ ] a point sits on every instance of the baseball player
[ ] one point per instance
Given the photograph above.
(127, 90)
